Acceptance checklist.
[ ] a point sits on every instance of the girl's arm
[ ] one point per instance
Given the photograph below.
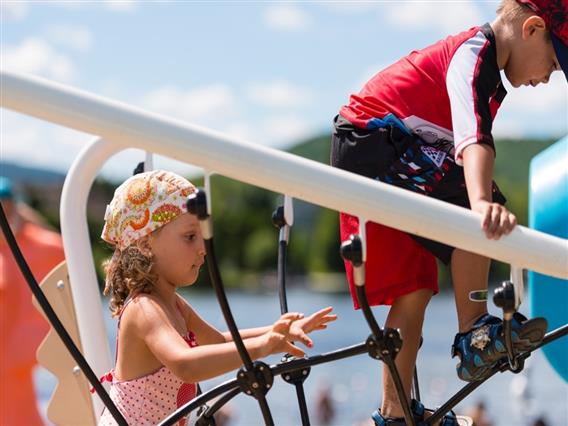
(298, 329)
(207, 334)
(247, 333)
(206, 361)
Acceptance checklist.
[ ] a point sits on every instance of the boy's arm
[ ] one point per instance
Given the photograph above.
(478, 162)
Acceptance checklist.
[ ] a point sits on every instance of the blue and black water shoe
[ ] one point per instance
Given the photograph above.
(480, 348)
(419, 412)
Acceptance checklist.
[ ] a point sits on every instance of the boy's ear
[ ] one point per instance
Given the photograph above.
(532, 25)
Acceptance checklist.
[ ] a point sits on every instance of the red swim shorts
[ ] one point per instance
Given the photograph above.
(396, 264)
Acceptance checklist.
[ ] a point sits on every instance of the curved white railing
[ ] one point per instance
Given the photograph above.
(124, 126)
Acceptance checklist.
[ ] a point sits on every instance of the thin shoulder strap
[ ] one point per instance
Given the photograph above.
(179, 301)
(179, 307)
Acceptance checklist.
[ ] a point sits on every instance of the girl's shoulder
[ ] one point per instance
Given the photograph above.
(143, 309)
(139, 302)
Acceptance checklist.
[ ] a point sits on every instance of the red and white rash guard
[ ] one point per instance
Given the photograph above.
(449, 91)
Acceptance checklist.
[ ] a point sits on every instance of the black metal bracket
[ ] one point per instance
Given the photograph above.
(296, 376)
(387, 345)
(256, 382)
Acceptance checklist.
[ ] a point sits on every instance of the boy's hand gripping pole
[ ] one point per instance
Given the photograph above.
(254, 378)
(381, 344)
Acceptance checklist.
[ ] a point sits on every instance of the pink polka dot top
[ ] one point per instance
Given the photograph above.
(149, 399)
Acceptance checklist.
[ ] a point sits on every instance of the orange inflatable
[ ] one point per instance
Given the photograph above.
(22, 326)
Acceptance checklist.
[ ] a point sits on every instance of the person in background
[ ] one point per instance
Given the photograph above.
(325, 406)
(479, 415)
(22, 326)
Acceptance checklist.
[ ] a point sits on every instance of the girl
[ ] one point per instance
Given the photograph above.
(163, 346)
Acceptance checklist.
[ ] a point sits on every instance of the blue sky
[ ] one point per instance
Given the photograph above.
(273, 73)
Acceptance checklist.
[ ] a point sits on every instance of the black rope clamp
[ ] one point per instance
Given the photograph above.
(278, 219)
(203, 419)
(197, 204)
(352, 250)
(504, 298)
(386, 346)
(296, 376)
(256, 382)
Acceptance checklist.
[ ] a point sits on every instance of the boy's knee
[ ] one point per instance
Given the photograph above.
(414, 304)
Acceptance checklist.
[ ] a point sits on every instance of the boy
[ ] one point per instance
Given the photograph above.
(424, 124)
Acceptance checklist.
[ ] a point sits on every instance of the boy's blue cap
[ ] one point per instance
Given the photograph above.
(555, 15)
(6, 191)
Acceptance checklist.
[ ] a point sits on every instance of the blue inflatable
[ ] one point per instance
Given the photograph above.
(548, 212)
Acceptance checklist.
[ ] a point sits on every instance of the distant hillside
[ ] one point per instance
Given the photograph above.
(315, 149)
(29, 175)
(511, 153)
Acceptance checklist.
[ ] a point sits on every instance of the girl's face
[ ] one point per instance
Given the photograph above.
(178, 251)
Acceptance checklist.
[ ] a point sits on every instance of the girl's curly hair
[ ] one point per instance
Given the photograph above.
(129, 272)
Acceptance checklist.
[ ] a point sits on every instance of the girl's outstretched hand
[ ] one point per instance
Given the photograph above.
(277, 339)
(316, 321)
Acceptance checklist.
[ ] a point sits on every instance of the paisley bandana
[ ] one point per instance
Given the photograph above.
(144, 203)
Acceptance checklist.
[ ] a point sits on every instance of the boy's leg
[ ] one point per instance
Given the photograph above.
(406, 314)
(470, 272)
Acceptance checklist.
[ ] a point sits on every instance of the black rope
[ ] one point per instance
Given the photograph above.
(279, 220)
(197, 402)
(249, 368)
(55, 322)
(207, 417)
(282, 248)
(217, 283)
(387, 357)
(254, 378)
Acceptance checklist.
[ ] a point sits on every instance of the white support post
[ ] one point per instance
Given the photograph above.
(77, 247)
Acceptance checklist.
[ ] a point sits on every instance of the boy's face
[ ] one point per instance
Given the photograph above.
(532, 58)
(178, 251)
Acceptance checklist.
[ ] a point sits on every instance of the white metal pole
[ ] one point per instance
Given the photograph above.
(79, 256)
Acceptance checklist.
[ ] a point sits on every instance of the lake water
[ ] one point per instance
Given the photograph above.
(512, 400)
